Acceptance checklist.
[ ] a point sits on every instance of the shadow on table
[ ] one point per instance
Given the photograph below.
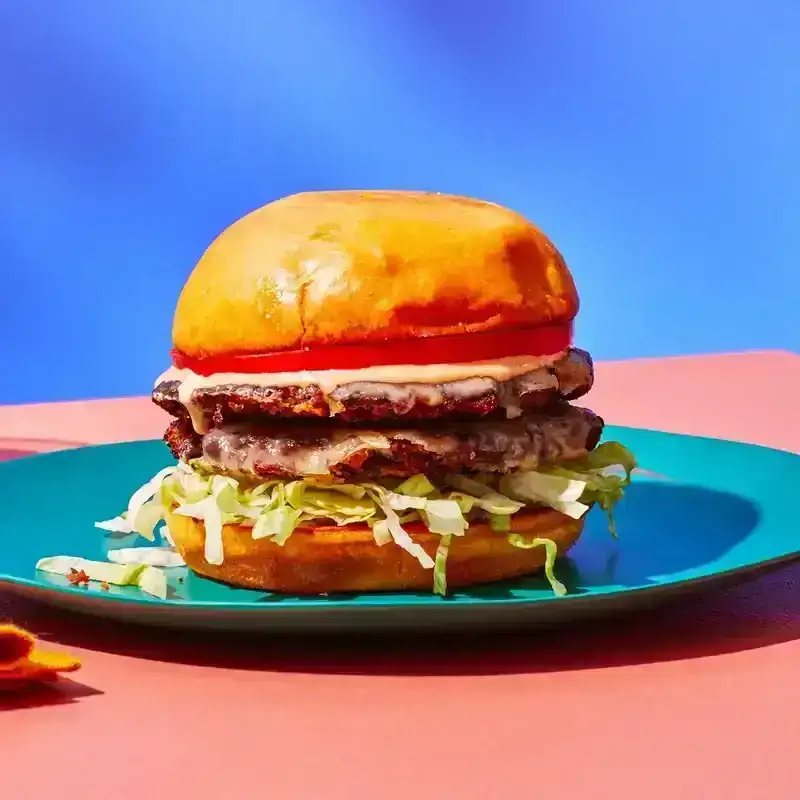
(764, 612)
(35, 695)
(7, 453)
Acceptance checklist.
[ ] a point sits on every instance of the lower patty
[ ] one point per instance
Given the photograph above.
(351, 453)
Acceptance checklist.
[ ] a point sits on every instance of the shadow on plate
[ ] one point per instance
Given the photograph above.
(762, 612)
(664, 529)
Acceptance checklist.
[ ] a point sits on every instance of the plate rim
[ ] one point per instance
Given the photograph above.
(372, 601)
(344, 606)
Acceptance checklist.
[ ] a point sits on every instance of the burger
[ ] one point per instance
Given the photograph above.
(373, 390)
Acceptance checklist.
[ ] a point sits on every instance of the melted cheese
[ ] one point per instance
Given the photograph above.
(233, 450)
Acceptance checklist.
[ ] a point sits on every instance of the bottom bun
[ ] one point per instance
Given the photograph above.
(332, 559)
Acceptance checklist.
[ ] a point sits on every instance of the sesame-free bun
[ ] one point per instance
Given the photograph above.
(324, 268)
(322, 560)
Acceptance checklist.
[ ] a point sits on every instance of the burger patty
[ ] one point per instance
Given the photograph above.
(568, 378)
(292, 451)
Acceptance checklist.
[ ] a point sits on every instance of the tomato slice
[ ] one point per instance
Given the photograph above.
(543, 340)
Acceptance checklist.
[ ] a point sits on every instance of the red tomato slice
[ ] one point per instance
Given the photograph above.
(454, 349)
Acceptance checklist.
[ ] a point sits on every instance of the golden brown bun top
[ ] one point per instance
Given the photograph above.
(355, 266)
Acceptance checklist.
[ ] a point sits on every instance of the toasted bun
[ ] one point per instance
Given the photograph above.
(348, 560)
(344, 267)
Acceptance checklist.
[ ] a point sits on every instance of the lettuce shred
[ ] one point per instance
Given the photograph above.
(275, 509)
(149, 579)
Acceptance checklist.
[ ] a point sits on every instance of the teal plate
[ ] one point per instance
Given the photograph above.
(715, 512)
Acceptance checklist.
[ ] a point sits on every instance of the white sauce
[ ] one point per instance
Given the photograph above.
(466, 379)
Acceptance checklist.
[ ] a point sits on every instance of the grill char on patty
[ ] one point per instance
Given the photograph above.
(347, 453)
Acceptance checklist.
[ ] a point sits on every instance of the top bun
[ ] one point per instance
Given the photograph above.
(324, 268)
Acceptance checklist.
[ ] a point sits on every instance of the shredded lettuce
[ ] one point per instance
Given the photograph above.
(119, 524)
(496, 503)
(350, 489)
(277, 524)
(144, 510)
(465, 502)
(440, 565)
(150, 580)
(143, 513)
(467, 485)
(484, 496)
(153, 581)
(605, 456)
(148, 556)
(445, 517)
(500, 522)
(555, 491)
(603, 486)
(381, 533)
(118, 574)
(222, 502)
(275, 509)
(402, 502)
(416, 486)
(551, 553)
(166, 536)
(396, 529)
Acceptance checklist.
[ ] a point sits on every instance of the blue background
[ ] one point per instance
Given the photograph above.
(655, 141)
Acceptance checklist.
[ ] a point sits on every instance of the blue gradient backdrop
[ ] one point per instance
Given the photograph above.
(656, 142)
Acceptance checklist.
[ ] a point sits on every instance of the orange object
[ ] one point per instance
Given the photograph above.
(78, 577)
(22, 661)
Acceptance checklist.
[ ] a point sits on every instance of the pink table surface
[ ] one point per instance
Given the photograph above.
(701, 699)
